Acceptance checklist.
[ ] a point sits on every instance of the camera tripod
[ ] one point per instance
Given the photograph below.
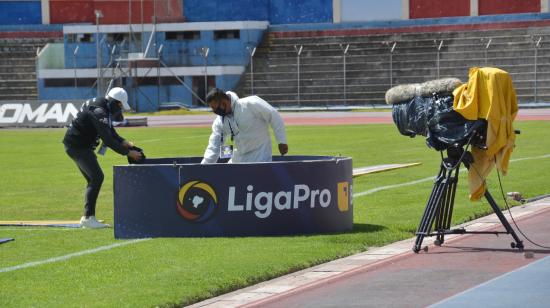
(439, 208)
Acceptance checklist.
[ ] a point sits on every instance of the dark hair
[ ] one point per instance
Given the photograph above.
(215, 95)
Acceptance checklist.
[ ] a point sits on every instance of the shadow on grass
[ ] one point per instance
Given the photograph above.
(366, 228)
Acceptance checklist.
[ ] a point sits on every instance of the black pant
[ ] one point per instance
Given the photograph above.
(86, 160)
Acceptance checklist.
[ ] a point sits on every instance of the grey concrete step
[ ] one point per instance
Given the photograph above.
(543, 53)
(17, 76)
(11, 90)
(410, 51)
(28, 40)
(414, 60)
(17, 68)
(282, 79)
(18, 96)
(425, 35)
(19, 61)
(337, 82)
(18, 54)
(476, 44)
(18, 82)
(542, 64)
(333, 88)
(462, 37)
(18, 49)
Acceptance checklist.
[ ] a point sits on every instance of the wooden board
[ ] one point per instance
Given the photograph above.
(5, 240)
(380, 168)
(42, 223)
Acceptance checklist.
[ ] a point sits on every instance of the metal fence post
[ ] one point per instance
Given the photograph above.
(536, 47)
(392, 48)
(204, 53)
(98, 15)
(485, 51)
(344, 53)
(298, 52)
(438, 46)
(251, 51)
(74, 66)
(159, 57)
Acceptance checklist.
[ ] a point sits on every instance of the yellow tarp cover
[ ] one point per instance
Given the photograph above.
(489, 94)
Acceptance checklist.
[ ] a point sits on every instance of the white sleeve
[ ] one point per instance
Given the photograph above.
(271, 116)
(212, 152)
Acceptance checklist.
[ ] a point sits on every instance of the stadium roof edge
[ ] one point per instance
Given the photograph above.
(185, 26)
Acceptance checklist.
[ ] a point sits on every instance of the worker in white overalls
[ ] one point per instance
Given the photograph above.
(245, 121)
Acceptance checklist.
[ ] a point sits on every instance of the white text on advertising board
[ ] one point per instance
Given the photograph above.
(24, 113)
(263, 202)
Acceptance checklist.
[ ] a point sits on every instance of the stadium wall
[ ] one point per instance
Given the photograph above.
(22, 12)
(114, 12)
(437, 8)
(492, 7)
(414, 25)
(274, 11)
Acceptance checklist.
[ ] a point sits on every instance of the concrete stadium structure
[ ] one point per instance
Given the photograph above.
(158, 49)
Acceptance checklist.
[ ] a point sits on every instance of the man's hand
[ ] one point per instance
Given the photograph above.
(135, 155)
(283, 148)
(127, 144)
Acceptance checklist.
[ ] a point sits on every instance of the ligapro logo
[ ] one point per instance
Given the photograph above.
(12, 113)
(197, 201)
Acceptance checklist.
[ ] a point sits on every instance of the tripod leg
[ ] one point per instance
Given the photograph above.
(441, 214)
(446, 214)
(518, 244)
(431, 209)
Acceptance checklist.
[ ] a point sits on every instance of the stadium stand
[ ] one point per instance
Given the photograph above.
(414, 59)
(18, 67)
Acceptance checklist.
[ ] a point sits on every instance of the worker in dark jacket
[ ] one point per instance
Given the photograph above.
(92, 123)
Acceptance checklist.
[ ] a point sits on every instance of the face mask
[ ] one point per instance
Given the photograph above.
(219, 111)
(118, 117)
(116, 111)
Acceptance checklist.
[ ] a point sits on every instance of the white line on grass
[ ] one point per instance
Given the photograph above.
(377, 189)
(529, 158)
(69, 256)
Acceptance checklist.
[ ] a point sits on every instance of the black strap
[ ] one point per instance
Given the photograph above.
(230, 128)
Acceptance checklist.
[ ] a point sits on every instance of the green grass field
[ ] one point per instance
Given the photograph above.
(38, 181)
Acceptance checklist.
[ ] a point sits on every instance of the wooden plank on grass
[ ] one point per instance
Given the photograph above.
(42, 223)
(5, 240)
(380, 168)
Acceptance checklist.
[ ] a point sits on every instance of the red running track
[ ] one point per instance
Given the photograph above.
(321, 118)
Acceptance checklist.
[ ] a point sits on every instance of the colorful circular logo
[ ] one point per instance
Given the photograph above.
(197, 201)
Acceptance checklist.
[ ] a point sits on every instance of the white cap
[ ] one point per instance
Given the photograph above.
(120, 95)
